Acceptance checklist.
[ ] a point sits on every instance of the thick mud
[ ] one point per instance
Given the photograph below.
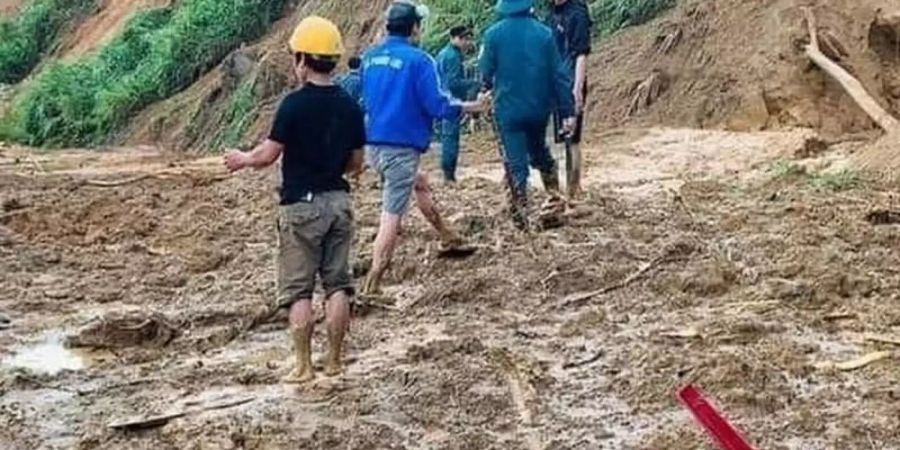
(154, 273)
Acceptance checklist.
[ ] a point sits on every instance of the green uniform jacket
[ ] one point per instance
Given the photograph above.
(520, 61)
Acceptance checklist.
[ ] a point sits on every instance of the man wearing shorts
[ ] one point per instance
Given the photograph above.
(403, 98)
(319, 131)
(571, 24)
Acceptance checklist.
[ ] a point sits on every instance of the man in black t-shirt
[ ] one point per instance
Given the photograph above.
(571, 24)
(319, 132)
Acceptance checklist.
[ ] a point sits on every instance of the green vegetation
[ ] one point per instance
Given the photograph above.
(786, 169)
(241, 114)
(25, 37)
(613, 15)
(159, 53)
(844, 180)
(835, 182)
(609, 16)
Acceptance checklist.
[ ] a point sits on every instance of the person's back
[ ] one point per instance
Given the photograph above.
(520, 53)
(312, 123)
(401, 96)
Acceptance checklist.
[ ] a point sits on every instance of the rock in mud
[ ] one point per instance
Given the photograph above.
(122, 331)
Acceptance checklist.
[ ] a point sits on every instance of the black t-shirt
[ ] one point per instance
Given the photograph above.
(571, 23)
(320, 127)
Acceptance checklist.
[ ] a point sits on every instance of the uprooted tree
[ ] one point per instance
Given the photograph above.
(884, 155)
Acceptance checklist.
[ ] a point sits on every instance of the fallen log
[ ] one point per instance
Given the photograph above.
(850, 83)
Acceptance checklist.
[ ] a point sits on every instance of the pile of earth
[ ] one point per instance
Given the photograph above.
(741, 65)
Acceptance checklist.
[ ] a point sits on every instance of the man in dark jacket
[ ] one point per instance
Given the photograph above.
(519, 59)
(571, 23)
(453, 80)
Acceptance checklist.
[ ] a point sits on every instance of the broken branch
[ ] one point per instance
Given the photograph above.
(851, 84)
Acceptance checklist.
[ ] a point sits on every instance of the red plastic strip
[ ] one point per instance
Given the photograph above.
(717, 426)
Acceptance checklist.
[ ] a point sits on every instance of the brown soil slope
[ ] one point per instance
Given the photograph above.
(740, 64)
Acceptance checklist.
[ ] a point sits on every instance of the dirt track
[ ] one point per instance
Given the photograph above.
(753, 276)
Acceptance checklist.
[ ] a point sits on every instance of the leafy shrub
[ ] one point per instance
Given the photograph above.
(159, 53)
(609, 16)
(25, 37)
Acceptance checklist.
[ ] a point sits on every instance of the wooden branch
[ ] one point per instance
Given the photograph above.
(850, 83)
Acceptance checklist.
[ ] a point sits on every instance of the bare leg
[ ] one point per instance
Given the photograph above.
(425, 202)
(301, 328)
(385, 242)
(573, 177)
(337, 319)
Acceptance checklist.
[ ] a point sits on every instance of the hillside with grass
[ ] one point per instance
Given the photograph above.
(191, 73)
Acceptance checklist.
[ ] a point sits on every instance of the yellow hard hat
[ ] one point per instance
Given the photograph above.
(317, 36)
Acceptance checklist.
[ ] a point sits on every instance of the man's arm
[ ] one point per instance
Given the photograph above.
(262, 156)
(580, 48)
(355, 165)
(438, 103)
(562, 82)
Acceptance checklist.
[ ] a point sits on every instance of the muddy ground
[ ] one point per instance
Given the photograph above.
(755, 270)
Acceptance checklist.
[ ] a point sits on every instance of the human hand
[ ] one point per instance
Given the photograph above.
(568, 126)
(485, 100)
(236, 160)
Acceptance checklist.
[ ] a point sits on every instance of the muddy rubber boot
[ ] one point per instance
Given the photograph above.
(550, 178)
(333, 366)
(454, 246)
(303, 368)
(518, 204)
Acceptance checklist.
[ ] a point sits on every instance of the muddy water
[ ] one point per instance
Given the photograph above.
(48, 356)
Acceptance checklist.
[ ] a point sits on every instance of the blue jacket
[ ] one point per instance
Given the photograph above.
(519, 59)
(402, 95)
(452, 73)
(352, 83)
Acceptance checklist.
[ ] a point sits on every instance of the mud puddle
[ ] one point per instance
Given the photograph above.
(49, 356)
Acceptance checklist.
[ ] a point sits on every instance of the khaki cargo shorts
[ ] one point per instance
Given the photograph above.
(314, 239)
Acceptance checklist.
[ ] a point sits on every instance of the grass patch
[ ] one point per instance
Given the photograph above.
(241, 114)
(159, 53)
(785, 169)
(613, 15)
(609, 16)
(844, 180)
(25, 37)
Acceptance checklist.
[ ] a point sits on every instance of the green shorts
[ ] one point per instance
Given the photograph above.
(314, 239)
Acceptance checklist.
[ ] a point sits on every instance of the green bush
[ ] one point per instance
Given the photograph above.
(159, 53)
(609, 16)
(25, 37)
(613, 15)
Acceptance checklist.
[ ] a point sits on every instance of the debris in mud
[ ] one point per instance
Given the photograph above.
(882, 339)
(883, 217)
(135, 330)
(685, 333)
(812, 147)
(644, 93)
(441, 349)
(854, 364)
(142, 423)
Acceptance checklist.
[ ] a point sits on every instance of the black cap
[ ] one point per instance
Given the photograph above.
(460, 31)
(403, 13)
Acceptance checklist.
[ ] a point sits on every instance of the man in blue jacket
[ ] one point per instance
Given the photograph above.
(403, 98)
(453, 80)
(519, 59)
